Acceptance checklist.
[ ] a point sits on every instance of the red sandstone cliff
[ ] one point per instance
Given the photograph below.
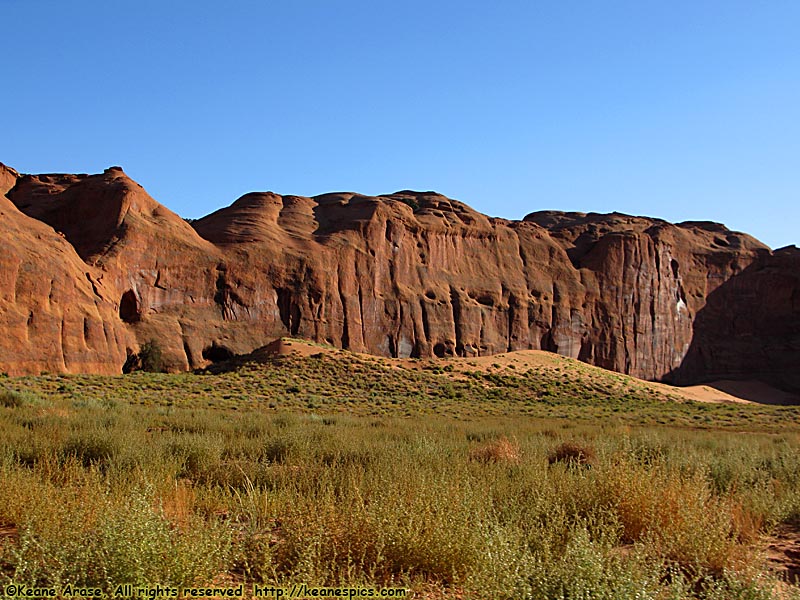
(56, 314)
(407, 274)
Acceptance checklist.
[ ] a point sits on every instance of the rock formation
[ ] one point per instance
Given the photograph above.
(406, 274)
(56, 314)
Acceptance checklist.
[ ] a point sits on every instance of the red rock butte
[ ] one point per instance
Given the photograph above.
(92, 267)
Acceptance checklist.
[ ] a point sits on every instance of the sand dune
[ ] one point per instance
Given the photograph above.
(750, 391)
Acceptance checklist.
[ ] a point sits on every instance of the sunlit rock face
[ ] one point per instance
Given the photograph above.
(406, 274)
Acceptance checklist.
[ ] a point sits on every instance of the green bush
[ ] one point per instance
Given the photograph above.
(12, 399)
(91, 447)
(151, 357)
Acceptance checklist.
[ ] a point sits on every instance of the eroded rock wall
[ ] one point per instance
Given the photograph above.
(407, 274)
(55, 313)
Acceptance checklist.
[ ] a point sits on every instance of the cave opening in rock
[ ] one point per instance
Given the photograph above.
(485, 300)
(439, 350)
(289, 310)
(129, 309)
(216, 353)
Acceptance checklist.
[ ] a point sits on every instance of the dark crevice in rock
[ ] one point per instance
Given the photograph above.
(216, 353)
(289, 310)
(130, 309)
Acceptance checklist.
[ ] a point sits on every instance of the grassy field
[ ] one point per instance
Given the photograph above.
(336, 469)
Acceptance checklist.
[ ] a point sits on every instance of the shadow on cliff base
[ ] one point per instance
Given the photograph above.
(749, 328)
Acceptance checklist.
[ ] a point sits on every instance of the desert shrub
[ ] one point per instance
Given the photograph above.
(93, 447)
(587, 570)
(112, 540)
(277, 450)
(14, 399)
(410, 202)
(498, 450)
(149, 359)
(138, 544)
(378, 526)
(679, 519)
(185, 488)
(572, 453)
(152, 357)
(198, 455)
(362, 458)
(10, 399)
(648, 452)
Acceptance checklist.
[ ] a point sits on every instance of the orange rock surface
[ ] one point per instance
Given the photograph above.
(406, 274)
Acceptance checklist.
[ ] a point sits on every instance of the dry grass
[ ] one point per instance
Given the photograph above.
(572, 453)
(500, 450)
(680, 519)
(178, 503)
(340, 472)
(746, 523)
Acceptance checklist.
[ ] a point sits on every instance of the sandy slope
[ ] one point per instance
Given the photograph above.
(719, 391)
(755, 391)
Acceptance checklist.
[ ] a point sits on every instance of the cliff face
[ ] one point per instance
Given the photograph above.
(653, 279)
(56, 314)
(407, 274)
(749, 326)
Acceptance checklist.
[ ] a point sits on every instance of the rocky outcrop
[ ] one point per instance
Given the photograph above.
(749, 326)
(415, 274)
(160, 275)
(652, 278)
(55, 311)
(8, 179)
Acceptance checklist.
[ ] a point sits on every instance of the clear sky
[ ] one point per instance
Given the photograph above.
(684, 110)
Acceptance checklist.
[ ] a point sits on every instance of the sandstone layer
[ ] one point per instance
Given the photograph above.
(406, 274)
(56, 314)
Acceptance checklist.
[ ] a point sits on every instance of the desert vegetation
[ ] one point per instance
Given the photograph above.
(341, 470)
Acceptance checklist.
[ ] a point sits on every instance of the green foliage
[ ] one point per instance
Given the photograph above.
(15, 399)
(116, 492)
(346, 383)
(10, 399)
(410, 202)
(112, 540)
(151, 357)
(92, 447)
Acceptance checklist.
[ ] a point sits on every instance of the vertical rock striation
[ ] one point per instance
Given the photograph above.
(406, 274)
(55, 313)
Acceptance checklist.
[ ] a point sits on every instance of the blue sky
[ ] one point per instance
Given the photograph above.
(679, 110)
